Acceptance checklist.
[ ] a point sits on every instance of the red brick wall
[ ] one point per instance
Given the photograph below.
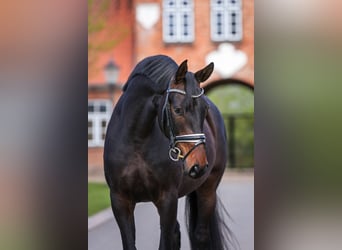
(247, 45)
(95, 159)
(105, 95)
(121, 23)
(150, 42)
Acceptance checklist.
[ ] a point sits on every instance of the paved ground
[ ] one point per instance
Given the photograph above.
(236, 192)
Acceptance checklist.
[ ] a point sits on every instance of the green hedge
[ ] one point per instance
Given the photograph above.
(98, 197)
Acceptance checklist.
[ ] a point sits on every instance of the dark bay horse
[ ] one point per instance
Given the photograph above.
(166, 139)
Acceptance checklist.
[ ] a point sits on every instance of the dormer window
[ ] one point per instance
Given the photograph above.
(178, 21)
(226, 20)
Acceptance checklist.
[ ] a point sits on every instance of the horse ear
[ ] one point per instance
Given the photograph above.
(181, 71)
(203, 74)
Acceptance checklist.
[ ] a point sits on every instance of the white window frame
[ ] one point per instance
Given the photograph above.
(97, 117)
(226, 8)
(178, 10)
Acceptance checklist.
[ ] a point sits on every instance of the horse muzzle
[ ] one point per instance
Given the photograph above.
(196, 165)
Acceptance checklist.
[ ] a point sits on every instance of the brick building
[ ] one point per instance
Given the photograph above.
(201, 31)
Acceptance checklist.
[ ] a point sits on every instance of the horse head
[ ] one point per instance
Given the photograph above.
(181, 117)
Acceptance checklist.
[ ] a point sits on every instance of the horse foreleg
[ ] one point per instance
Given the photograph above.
(206, 210)
(123, 210)
(177, 237)
(167, 209)
(203, 222)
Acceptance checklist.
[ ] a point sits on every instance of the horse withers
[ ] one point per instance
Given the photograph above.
(165, 140)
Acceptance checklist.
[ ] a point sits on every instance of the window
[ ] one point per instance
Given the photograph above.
(178, 21)
(99, 112)
(226, 20)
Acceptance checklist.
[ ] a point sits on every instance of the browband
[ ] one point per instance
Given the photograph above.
(184, 93)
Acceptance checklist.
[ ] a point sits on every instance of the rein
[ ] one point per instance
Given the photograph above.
(175, 153)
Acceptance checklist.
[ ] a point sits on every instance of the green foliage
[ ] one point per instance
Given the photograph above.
(97, 15)
(244, 147)
(237, 102)
(102, 36)
(98, 197)
(233, 99)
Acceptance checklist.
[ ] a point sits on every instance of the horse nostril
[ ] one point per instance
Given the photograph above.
(196, 168)
(194, 171)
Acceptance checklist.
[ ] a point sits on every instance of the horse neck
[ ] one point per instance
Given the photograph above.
(142, 115)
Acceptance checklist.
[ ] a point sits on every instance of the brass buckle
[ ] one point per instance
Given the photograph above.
(175, 154)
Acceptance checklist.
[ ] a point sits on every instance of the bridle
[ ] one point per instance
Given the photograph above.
(175, 153)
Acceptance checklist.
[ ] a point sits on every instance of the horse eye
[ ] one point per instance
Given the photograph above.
(178, 111)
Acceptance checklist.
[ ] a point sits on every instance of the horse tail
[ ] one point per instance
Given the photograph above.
(221, 236)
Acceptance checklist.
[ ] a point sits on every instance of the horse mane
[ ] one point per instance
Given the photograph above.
(159, 69)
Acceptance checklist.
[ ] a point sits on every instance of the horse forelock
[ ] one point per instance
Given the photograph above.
(191, 85)
(191, 88)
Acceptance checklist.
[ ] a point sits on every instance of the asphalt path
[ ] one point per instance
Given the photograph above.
(236, 193)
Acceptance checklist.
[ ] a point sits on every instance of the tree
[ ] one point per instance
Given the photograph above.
(104, 31)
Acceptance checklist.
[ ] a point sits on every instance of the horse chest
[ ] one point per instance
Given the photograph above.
(138, 181)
